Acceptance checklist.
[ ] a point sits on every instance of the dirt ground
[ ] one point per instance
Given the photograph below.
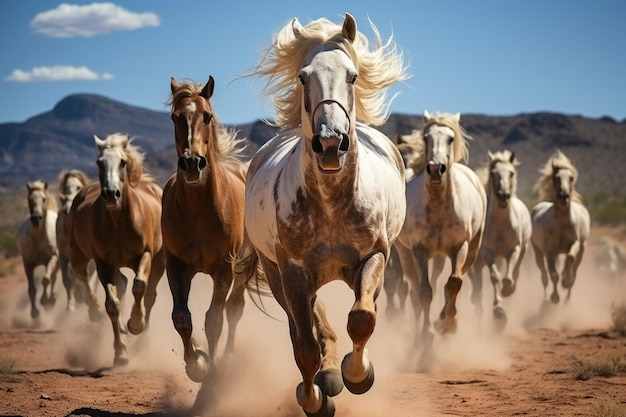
(63, 362)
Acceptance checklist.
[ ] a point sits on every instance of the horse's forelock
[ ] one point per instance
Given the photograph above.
(460, 146)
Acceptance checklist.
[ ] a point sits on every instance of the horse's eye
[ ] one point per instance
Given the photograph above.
(450, 140)
(123, 163)
(207, 117)
(352, 79)
(301, 78)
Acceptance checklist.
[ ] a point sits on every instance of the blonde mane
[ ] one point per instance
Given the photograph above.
(377, 69)
(135, 157)
(227, 144)
(460, 146)
(411, 148)
(544, 184)
(69, 173)
(42, 186)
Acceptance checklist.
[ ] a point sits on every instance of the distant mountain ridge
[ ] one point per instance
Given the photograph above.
(62, 138)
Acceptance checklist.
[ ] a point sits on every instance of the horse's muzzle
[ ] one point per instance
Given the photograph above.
(36, 219)
(436, 171)
(330, 151)
(191, 165)
(503, 198)
(111, 196)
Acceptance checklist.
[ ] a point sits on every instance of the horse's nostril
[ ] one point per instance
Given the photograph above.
(118, 194)
(182, 164)
(201, 163)
(442, 169)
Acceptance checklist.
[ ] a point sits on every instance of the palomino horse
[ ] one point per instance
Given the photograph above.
(117, 223)
(203, 220)
(446, 207)
(325, 198)
(507, 232)
(560, 224)
(36, 241)
(70, 182)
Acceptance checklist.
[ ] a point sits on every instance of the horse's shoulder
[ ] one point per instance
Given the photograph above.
(276, 147)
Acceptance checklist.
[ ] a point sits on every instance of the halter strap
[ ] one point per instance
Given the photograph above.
(329, 101)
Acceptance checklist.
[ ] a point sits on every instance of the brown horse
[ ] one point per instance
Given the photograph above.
(203, 220)
(36, 241)
(70, 183)
(116, 222)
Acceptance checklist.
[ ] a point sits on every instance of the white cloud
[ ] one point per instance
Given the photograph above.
(70, 20)
(57, 73)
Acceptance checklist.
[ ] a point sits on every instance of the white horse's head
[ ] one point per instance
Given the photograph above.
(502, 182)
(444, 143)
(327, 77)
(38, 201)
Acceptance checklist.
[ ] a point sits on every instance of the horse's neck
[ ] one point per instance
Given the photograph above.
(438, 195)
(494, 211)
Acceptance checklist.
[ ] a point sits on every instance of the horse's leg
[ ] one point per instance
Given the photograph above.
(574, 270)
(298, 302)
(29, 268)
(79, 266)
(356, 368)
(539, 260)
(424, 293)
(179, 277)
(392, 284)
(156, 273)
(328, 378)
(68, 283)
(447, 318)
(412, 277)
(107, 274)
(214, 317)
(137, 322)
(554, 275)
(438, 263)
(52, 268)
(476, 276)
(568, 265)
(496, 282)
(518, 265)
(510, 279)
(234, 311)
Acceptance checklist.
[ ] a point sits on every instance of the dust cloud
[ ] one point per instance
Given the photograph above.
(260, 378)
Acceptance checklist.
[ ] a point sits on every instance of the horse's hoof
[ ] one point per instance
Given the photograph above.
(568, 281)
(198, 369)
(363, 386)
(52, 300)
(555, 297)
(499, 313)
(135, 329)
(330, 381)
(327, 409)
(34, 313)
(508, 287)
(446, 326)
(120, 360)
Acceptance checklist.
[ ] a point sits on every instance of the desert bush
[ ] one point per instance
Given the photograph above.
(608, 407)
(618, 314)
(604, 364)
(8, 368)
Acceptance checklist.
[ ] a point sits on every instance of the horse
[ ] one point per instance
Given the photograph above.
(36, 242)
(116, 221)
(202, 220)
(70, 182)
(560, 223)
(506, 235)
(446, 205)
(325, 196)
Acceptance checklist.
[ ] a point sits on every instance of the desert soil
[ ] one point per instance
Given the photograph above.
(62, 362)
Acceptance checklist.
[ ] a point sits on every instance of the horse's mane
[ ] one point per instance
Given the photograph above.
(460, 146)
(544, 184)
(39, 185)
(134, 166)
(412, 145)
(227, 146)
(377, 69)
(69, 173)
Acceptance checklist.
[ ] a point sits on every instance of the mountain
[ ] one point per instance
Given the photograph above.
(62, 138)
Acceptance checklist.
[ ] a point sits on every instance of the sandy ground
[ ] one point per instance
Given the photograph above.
(63, 362)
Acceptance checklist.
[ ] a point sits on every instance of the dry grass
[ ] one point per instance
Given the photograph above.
(608, 407)
(604, 364)
(8, 369)
(619, 319)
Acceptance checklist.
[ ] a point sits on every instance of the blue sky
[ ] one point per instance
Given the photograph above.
(479, 57)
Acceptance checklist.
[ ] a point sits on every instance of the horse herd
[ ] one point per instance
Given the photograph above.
(328, 198)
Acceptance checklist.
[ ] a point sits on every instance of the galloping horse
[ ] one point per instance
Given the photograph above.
(70, 182)
(507, 232)
(203, 219)
(325, 197)
(36, 241)
(561, 224)
(117, 223)
(446, 207)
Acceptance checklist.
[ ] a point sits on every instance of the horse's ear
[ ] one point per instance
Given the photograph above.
(125, 141)
(426, 116)
(456, 117)
(490, 155)
(207, 91)
(297, 27)
(512, 157)
(399, 139)
(29, 186)
(45, 185)
(99, 142)
(349, 28)
(173, 84)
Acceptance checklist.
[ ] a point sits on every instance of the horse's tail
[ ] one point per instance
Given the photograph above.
(247, 271)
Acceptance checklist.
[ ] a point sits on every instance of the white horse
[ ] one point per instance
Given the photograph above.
(507, 232)
(36, 241)
(561, 224)
(70, 182)
(325, 198)
(446, 208)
